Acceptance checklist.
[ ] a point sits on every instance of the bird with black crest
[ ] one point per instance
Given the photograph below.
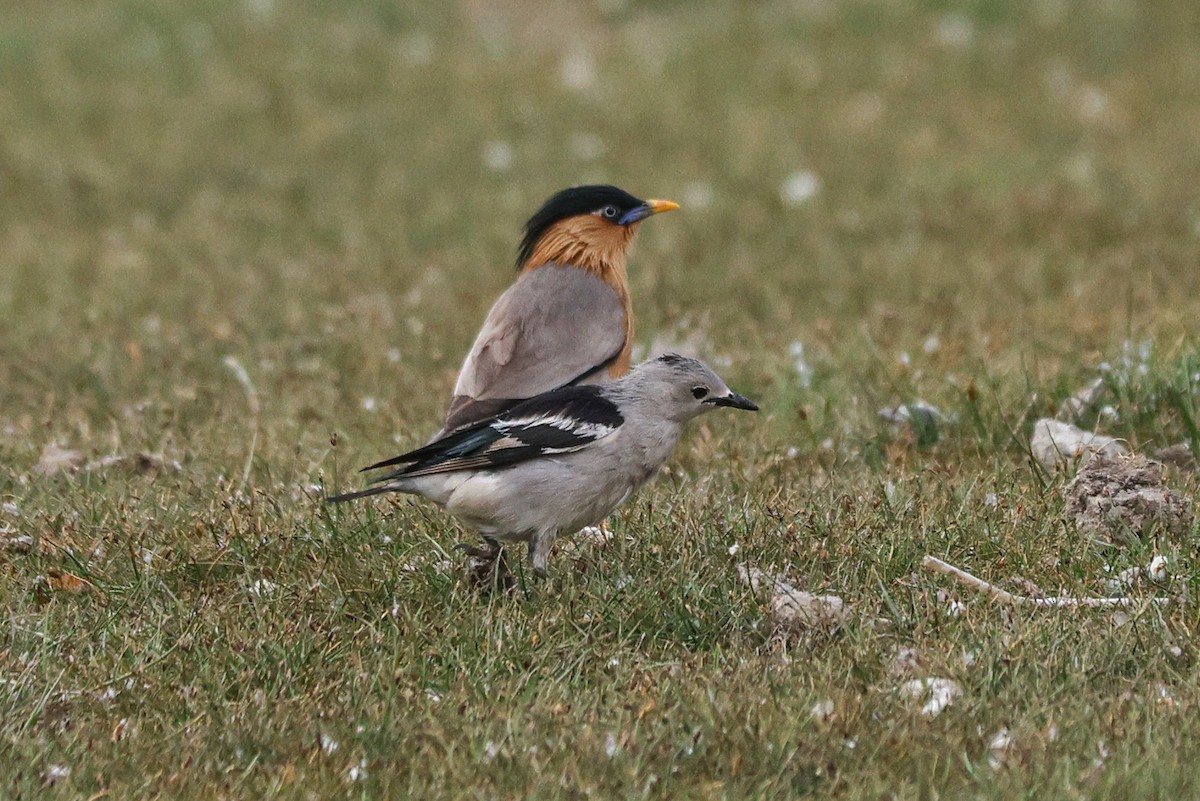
(568, 318)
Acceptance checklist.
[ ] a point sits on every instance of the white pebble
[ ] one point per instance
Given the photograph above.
(262, 587)
(804, 371)
(940, 693)
(577, 70)
(498, 156)
(698, 195)
(418, 47)
(54, 773)
(998, 748)
(955, 30)
(800, 187)
(822, 711)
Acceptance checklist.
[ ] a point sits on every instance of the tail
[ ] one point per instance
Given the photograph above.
(367, 493)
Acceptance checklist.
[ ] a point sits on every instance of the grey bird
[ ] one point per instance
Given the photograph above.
(560, 461)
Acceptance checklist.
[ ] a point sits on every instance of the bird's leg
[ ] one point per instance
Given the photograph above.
(490, 551)
(488, 565)
(539, 551)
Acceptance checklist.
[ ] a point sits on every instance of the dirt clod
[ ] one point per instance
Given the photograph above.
(1123, 497)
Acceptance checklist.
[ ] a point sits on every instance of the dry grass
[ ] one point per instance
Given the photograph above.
(330, 193)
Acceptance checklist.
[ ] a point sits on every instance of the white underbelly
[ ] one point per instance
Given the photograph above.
(552, 498)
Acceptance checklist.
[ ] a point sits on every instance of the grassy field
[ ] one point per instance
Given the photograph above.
(978, 204)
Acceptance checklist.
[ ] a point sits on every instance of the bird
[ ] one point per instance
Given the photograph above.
(568, 318)
(561, 460)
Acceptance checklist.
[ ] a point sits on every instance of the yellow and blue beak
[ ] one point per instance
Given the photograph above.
(647, 209)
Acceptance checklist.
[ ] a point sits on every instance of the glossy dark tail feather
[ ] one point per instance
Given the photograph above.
(350, 496)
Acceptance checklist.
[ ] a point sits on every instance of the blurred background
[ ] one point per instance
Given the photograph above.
(333, 191)
(236, 232)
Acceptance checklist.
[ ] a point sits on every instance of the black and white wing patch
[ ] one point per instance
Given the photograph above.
(562, 421)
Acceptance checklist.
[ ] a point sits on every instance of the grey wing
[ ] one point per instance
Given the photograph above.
(555, 326)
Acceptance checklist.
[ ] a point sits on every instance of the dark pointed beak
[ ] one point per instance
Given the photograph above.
(734, 401)
(639, 213)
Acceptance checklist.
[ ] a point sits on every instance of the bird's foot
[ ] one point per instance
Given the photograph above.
(487, 566)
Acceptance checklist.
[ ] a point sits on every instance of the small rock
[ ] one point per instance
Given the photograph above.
(924, 419)
(304, 492)
(1179, 456)
(756, 579)
(1157, 569)
(1083, 401)
(803, 610)
(611, 746)
(804, 370)
(262, 587)
(937, 694)
(1056, 444)
(19, 543)
(55, 460)
(1120, 583)
(793, 608)
(1164, 697)
(599, 536)
(919, 411)
(497, 157)
(800, 187)
(1023, 586)
(999, 749)
(904, 662)
(153, 463)
(54, 774)
(823, 711)
(144, 463)
(1118, 498)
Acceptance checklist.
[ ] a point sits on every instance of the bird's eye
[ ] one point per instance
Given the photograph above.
(610, 212)
(699, 393)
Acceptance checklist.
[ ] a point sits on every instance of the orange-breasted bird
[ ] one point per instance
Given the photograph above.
(568, 319)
